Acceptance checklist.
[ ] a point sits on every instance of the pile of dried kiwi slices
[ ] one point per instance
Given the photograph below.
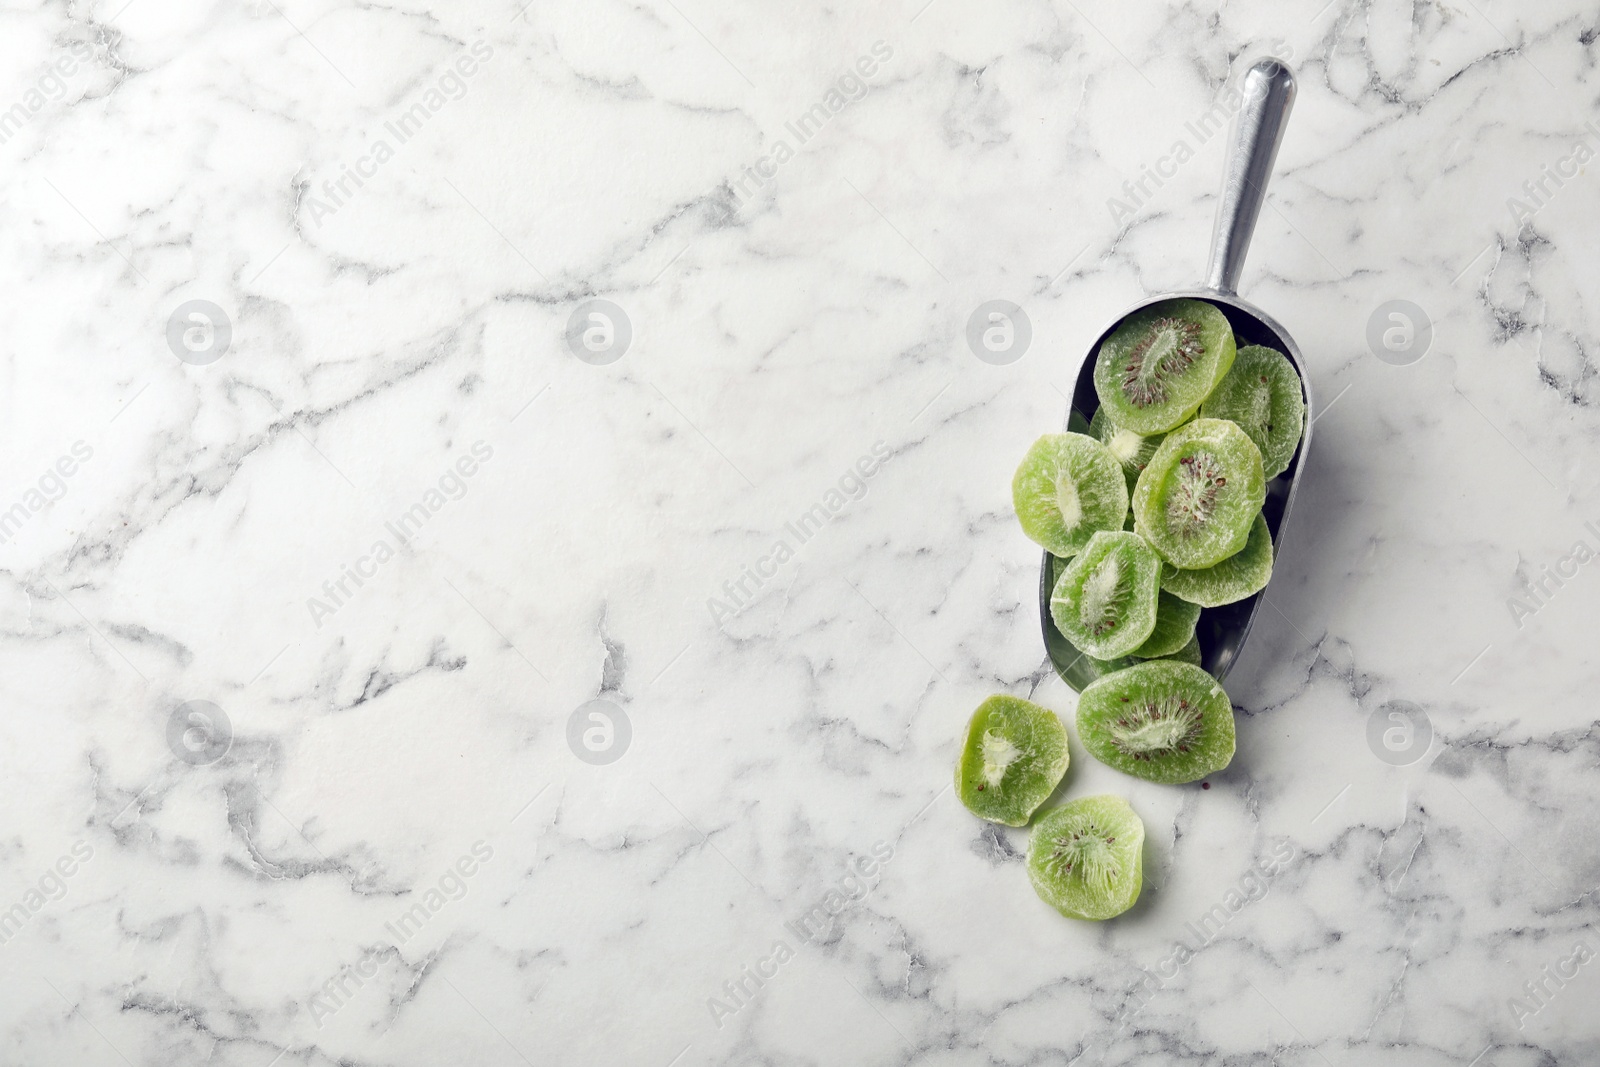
(1152, 516)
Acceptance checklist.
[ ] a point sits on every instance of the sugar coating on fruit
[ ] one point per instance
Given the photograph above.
(1131, 448)
(1261, 407)
(1068, 502)
(1125, 444)
(1075, 666)
(1169, 348)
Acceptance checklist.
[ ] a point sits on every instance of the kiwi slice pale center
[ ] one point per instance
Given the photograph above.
(1087, 853)
(998, 754)
(1149, 729)
(1105, 591)
(1125, 445)
(1169, 347)
(1194, 493)
(1068, 501)
(1261, 406)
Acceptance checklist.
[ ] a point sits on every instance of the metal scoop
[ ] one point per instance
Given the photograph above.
(1258, 130)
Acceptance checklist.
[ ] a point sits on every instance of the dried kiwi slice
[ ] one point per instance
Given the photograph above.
(1132, 450)
(1242, 574)
(1161, 362)
(1015, 755)
(1080, 667)
(1164, 721)
(1075, 666)
(1086, 858)
(1261, 392)
(1068, 486)
(1189, 653)
(1199, 494)
(1175, 622)
(1105, 600)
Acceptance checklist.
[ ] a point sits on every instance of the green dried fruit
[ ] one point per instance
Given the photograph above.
(1132, 450)
(1105, 601)
(1242, 574)
(1200, 493)
(1189, 653)
(1175, 621)
(1161, 362)
(1261, 393)
(1163, 721)
(1014, 757)
(1086, 858)
(1068, 487)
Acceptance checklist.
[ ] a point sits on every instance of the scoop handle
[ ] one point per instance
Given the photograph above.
(1257, 132)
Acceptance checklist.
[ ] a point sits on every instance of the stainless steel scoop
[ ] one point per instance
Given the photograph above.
(1258, 130)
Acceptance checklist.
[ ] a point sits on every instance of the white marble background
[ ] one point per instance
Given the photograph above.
(776, 337)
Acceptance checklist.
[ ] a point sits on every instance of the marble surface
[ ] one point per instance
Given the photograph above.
(321, 541)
